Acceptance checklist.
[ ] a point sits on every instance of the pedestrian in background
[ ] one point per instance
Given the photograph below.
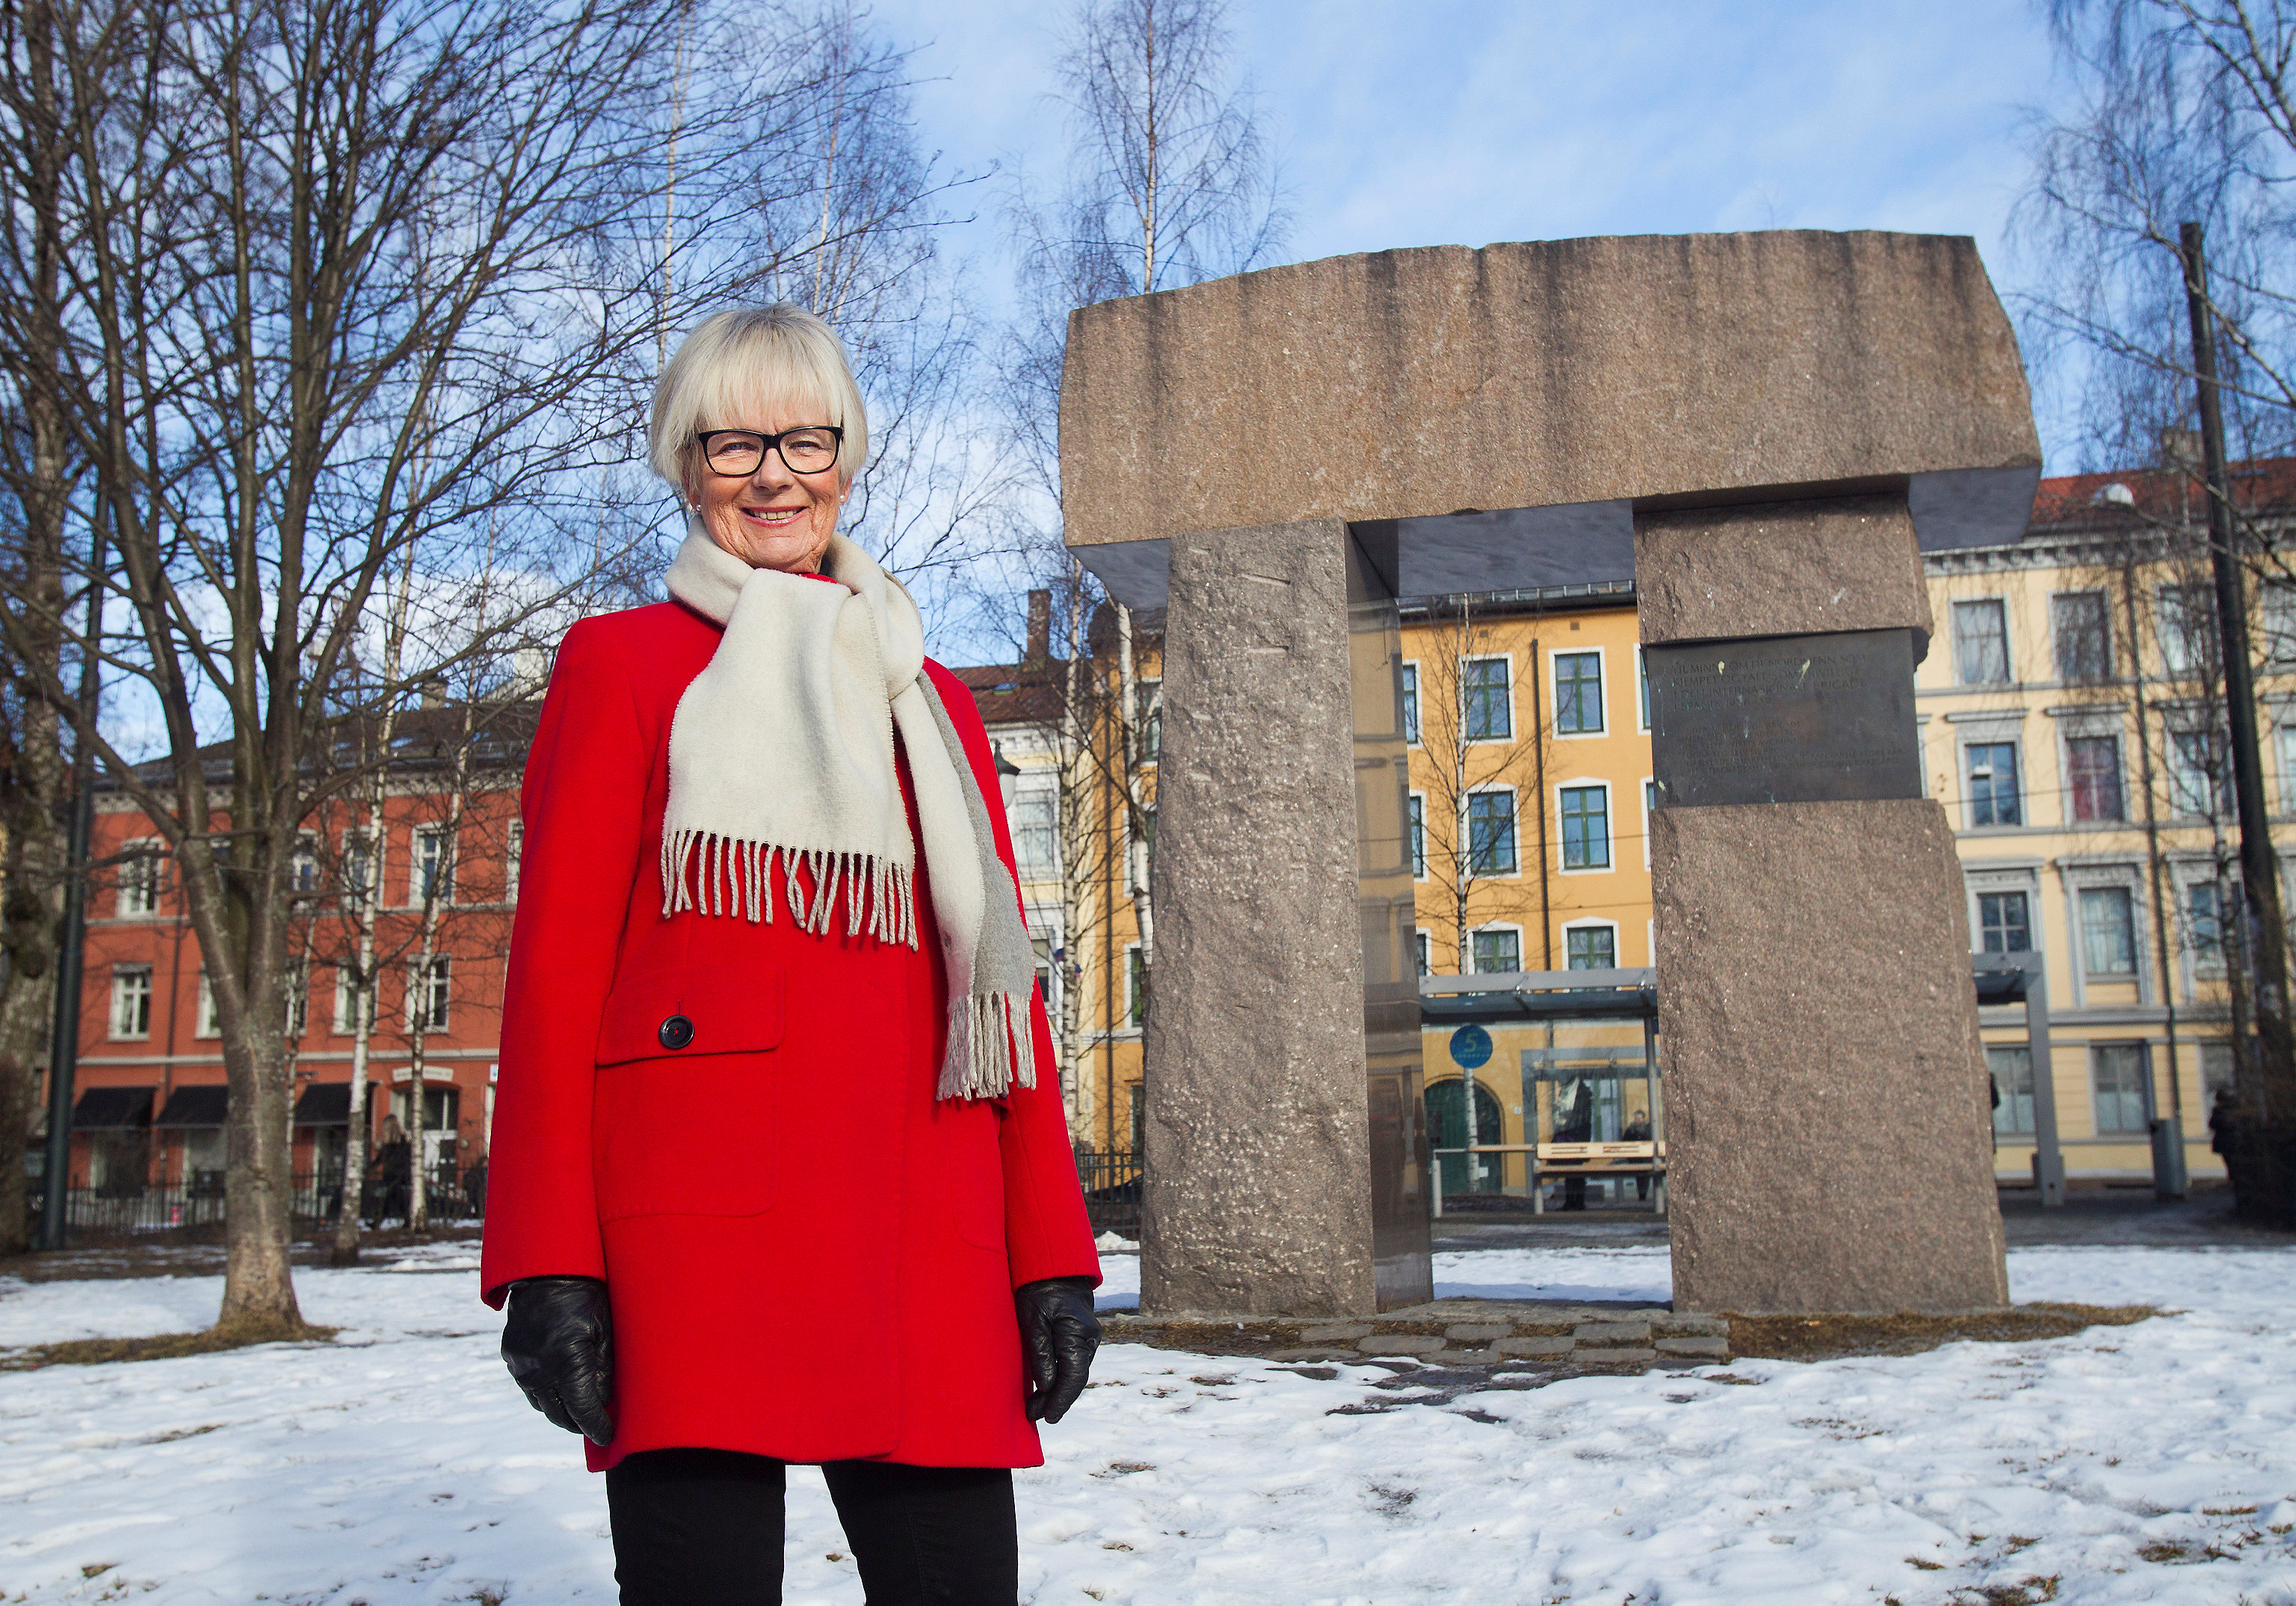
(394, 1172)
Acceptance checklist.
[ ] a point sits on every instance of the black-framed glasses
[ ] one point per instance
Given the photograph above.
(736, 454)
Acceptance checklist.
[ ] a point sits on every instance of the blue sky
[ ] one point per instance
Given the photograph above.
(1465, 121)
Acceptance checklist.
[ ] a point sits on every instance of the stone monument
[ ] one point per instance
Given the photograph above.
(1764, 431)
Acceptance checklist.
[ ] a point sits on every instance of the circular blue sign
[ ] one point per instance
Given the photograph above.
(1471, 1046)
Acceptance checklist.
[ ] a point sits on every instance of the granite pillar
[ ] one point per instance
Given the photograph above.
(1270, 1063)
(1830, 1132)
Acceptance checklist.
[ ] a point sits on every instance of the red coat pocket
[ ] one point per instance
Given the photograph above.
(688, 1076)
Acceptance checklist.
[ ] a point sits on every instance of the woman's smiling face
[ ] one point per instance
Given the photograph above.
(773, 516)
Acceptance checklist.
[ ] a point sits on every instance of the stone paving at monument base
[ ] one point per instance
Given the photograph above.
(1501, 1333)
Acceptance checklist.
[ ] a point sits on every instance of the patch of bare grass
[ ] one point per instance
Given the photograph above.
(1825, 1338)
(163, 1345)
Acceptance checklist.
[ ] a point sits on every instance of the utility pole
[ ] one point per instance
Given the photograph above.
(2271, 1113)
(63, 1045)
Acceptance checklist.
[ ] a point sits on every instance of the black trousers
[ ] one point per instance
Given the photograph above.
(703, 1528)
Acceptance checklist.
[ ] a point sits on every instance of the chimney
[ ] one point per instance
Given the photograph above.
(1040, 628)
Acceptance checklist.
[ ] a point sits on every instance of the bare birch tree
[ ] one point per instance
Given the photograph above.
(1169, 181)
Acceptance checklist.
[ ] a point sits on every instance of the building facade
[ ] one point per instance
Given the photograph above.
(412, 884)
(2070, 723)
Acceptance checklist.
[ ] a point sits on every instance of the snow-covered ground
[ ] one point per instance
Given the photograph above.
(1641, 1274)
(397, 1465)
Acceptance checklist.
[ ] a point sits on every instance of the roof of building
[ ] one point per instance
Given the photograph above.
(421, 739)
(1016, 694)
(2135, 498)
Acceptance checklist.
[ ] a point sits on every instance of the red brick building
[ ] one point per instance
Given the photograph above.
(149, 1097)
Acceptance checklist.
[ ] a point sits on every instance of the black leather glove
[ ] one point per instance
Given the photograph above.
(1059, 1333)
(558, 1345)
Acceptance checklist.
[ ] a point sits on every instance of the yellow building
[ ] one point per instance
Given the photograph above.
(1528, 724)
(2072, 724)
(2069, 728)
(1068, 767)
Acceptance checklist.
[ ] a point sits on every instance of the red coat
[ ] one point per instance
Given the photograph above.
(810, 1256)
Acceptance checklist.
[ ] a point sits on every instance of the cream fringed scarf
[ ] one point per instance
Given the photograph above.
(781, 750)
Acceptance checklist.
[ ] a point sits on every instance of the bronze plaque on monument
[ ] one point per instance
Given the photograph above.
(1784, 719)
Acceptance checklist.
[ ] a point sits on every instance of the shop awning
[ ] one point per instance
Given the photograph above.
(112, 1109)
(195, 1107)
(329, 1103)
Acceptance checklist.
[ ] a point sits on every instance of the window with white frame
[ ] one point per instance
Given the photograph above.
(1642, 683)
(2200, 778)
(1486, 704)
(2187, 623)
(1422, 947)
(141, 871)
(347, 1003)
(1045, 944)
(2117, 1080)
(1035, 837)
(2200, 921)
(2215, 1071)
(362, 866)
(430, 991)
(1650, 806)
(1151, 716)
(1411, 704)
(1578, 693)
(131, 1000)
(1490, 832)
(432, 880)
(2276, 611)
(1591, 948)
(303, 869)
(1135, 985)
(2083, 629)
(1995, 798)
(2012, 1069)
(1981, 642)
(2108, 922)
(2093, 778)
(1498, 950)
(1585, 812)
(208, 1022)
(1418, 827)
(2005, 920)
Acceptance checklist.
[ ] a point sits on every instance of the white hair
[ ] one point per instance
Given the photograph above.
(749, 365)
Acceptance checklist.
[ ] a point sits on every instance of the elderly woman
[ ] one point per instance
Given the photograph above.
(779, 1171)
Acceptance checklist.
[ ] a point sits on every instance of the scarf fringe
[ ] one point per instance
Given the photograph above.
(717, 875)
(983, 1031)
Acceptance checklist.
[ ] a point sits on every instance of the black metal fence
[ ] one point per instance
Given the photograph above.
(1110, 1181)
(313, 1201)
(1111, 1190)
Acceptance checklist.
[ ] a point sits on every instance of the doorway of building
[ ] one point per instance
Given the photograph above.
(1447, 1128)
(441, 1106)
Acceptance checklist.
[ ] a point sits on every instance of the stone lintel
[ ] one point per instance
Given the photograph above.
(1552, 374)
